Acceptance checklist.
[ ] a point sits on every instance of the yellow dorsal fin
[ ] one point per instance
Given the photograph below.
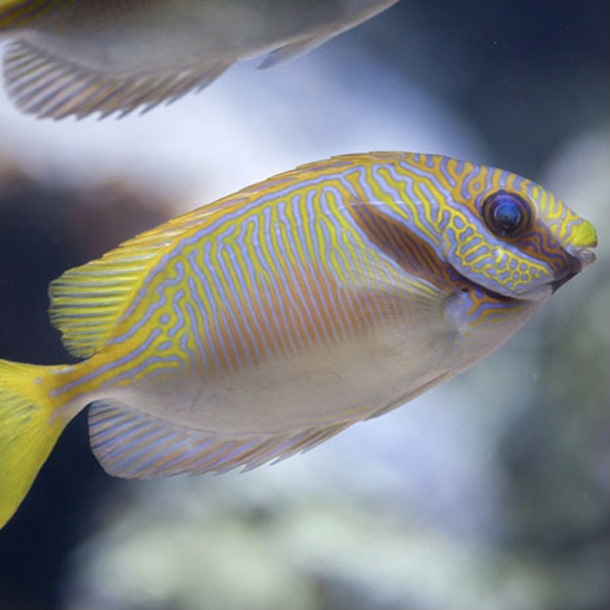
(87, 301)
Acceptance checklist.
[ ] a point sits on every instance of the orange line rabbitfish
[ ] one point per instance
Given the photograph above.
(77, 57)
(262, 324)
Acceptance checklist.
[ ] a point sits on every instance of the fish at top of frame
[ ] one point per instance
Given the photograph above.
(262, 324)
(77, 57)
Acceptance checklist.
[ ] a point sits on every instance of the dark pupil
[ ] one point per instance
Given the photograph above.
(507, 215)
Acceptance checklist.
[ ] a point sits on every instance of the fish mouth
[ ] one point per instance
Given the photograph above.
(557, 284)
(580, 258)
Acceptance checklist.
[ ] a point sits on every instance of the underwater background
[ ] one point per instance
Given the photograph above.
(489, 492)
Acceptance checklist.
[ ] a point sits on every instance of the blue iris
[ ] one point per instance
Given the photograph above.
(506, 214)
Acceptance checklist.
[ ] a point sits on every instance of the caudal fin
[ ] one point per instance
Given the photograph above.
(28, 432)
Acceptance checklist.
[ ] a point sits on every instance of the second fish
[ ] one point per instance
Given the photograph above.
(78, 57)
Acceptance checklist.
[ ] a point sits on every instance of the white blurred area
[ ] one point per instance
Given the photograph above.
(410, 503)
(245, 127)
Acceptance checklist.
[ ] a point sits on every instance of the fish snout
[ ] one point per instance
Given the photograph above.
(578, 248)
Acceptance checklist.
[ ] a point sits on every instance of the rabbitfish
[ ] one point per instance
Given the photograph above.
(264, 323)
(77, 57)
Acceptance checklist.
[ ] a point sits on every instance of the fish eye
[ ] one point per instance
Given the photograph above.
(506, 214)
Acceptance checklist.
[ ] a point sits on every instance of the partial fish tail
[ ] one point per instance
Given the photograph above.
(28, 430)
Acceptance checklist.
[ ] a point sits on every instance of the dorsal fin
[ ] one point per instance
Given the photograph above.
(87, 301)
(49, 86)
(131, 444)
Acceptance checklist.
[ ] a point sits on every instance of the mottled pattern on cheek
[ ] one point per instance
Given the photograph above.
(541, 245)
(487, 260)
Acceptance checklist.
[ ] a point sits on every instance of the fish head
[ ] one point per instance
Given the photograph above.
(512, 237)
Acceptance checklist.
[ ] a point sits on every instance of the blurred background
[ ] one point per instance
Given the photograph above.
(490, 492)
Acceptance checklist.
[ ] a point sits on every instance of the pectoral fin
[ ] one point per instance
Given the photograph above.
(292, 50)
(51, 87)
(392, 259)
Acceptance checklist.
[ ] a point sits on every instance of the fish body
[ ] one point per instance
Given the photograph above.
(257, 326)
(76, 57)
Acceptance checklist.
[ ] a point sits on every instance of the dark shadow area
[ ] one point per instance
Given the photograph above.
(46, 228)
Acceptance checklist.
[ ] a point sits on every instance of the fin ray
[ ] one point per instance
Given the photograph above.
(28, 432)
(403, 263)
(51, 87)
(87, 301)
(131, 444)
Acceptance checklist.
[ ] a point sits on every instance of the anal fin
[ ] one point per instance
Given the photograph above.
(51, 87)
(131, 444)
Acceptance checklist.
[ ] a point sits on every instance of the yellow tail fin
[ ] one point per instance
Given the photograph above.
(27, 431)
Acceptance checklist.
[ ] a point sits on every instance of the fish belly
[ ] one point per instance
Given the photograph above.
(336, 383)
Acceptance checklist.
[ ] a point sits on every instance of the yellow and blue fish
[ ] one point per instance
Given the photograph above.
(77, 57)
(264, 323)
